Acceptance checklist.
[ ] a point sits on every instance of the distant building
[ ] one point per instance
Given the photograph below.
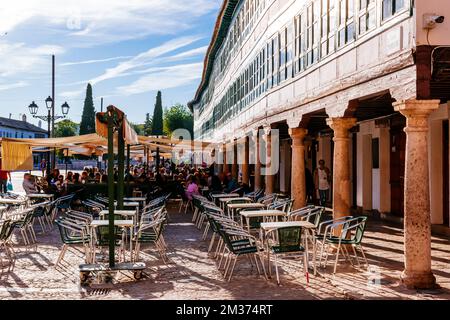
(11, 128)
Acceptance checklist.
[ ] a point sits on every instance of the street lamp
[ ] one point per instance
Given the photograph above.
(65, 109)
(50, 117)
(33, 108)
(48, 102)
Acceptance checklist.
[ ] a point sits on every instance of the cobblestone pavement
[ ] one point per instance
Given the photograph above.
(192, 275)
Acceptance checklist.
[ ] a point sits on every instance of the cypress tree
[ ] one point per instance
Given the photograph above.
(87, 124)
(148, 125)
(157, 123)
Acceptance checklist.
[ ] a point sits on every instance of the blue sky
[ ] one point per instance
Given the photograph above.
(126, 49)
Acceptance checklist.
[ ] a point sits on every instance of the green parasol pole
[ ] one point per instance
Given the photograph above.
(128, 169)
(111, 187)
(121, 167)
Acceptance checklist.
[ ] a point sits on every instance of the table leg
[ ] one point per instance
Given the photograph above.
(131, 244)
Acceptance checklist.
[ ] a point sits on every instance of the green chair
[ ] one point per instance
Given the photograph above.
(151, 233)
(288, 242)
(72, 235)
(351, 235)
(238, 244)
(6, 230)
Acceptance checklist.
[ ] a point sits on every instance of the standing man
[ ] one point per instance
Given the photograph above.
(4, 175)
(43, 166)
(322, 181)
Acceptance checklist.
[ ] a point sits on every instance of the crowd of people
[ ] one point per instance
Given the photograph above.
(182, 179)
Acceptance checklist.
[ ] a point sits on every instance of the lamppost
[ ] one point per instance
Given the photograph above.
(50, 118)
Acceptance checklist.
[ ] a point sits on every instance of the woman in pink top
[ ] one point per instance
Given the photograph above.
(192, 188)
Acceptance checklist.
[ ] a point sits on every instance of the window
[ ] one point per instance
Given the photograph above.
(391, 7)
(367, 15)
(269, 65)
(312, 33)
(300, 42)
(346, 29)
(275, 60)
(328, 27)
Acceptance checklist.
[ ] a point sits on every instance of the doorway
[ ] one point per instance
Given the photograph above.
(397, 170)
(445, 172)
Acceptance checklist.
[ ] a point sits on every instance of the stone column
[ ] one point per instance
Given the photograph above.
(220, 161)
(341, 168)
(245, 162)
(270, 179)
(234, 166)
(417, 225)
(226, 168)
(258, 178)
(298, 181)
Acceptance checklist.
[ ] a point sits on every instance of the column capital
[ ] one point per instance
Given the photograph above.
(267, 129)
(298, 133)
(341, 126)
(416, 112)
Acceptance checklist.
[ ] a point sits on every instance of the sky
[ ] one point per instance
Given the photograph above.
(127, 50)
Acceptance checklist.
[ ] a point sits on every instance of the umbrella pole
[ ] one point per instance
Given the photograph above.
(128, 170)
(121, 168)
(111, 188)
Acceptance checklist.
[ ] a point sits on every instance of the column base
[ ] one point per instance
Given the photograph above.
(419, 280)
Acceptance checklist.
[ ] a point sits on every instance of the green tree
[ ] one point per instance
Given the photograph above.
(178, 117)
(87, 124)
(148, 125)
(157, 123)
(139, 128)
(66, 128)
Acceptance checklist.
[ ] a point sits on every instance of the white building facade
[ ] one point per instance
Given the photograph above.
(361, 84)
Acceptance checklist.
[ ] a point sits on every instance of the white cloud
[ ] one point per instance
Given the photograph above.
(71, 94)
(166, 78)
(20, 84)
(94, 61)
(97, 22)
(19, 58)
(145, 58)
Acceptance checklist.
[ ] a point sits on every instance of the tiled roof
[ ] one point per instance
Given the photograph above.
(20, 125)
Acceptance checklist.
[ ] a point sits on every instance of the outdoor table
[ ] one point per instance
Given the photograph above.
(265, 214)
(119, 223)
(36, 196)
(125, 213)
(40, 196)
(217, 196)
(203, 190)
(224, 201)
(131, 204)
(13, 201)
(224, 195)
(233, 207)
(135, 199)
(307, 227)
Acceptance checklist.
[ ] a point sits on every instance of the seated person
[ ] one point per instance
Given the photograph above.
(231, 183)
(29, 186)
(192, 188)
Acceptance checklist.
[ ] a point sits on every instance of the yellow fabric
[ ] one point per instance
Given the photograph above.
(16, 156)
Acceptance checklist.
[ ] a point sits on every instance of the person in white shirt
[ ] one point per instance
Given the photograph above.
(29, 186)
(322, 179)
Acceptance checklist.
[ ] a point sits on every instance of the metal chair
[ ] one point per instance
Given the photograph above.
(289, 242)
